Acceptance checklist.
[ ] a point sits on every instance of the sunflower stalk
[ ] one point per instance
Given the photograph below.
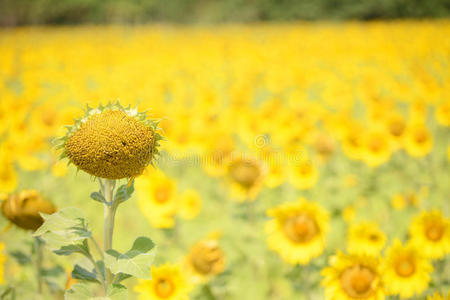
(110, 208)
(38, 264)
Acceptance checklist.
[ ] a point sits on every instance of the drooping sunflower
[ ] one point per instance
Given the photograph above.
(352, 277)
(418, 140)
(111, 142)
(23, 209)
(297, 231)
(157, 198)
(246, 176)
(365, 238)
(205, 260)
(406, 271)
(168, 282)
(430, 231)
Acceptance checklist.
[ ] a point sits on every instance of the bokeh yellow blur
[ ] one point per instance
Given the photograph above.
(301, 161)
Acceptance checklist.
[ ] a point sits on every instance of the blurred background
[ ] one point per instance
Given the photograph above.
(30, 12)
(344, 103)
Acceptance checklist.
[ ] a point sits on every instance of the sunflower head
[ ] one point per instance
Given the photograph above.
(353, 277)
(111, 142)
(23, 209)
(206, 259)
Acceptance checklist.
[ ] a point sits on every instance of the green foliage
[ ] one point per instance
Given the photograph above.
(134, 262)
(17, 12)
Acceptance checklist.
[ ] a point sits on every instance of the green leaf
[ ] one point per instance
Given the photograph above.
(84, 291)
(63, 228)
(97, 196)
(122, 276)
(83, 274)
(124, 193)
(135, 262)
(53, 272)
(79, 291)
(20, 257)
(75, 248)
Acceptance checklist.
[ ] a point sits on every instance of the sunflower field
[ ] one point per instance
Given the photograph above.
(288, 161)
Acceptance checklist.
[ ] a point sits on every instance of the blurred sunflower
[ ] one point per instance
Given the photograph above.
(190, 204)
(246, 177)
(438, 296)
(365, 238)
(352, 142)
(353, 277)
(297, 231)
(443, 114)
(396, 126)
(402, 201)
(303, 174)
(218, 151)
(418, 141)
(405, 271)
(205, 260)
(168, 282)
(377, 148)
(430, 231)
(157, 198)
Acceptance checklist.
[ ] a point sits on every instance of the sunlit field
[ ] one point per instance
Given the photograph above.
(303, 161)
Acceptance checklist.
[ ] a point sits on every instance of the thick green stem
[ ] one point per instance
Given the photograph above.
(108, 229)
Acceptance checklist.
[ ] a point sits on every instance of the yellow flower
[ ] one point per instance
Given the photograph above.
(352, 277)
(401, 201)
(405, 271)
(205, 260)
(157, 198)
(111, 142)
(418, 141)
(8, 176)
(437, 296)
(324, 145)
(365, 238)
(303, 174)
(168, 283)
(396, 127)
(246, 176)
(297, 231)
(352, 142)
(377, 148)
(349, 213)
(23, 209)
(430, 231)
(190, 204)
(2, 261)
(217, 153)
(443, 114)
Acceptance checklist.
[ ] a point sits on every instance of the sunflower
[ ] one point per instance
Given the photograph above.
(365, 238)
(168, 283)
(205, 260)
(352, 142)
(297, 231)
(443, 114)
(396, 127)
(157, 198)
(377, 148)
(111, 142)
(430, 231)
(246, 176)
(405, 271)
(303, 174)
(418, 141)
(401, 201)
(353, 277)
(190, 204)
(438, 296)
(217, 153)
(24, 209)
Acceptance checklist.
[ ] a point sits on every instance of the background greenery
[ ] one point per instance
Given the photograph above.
(25, 12)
